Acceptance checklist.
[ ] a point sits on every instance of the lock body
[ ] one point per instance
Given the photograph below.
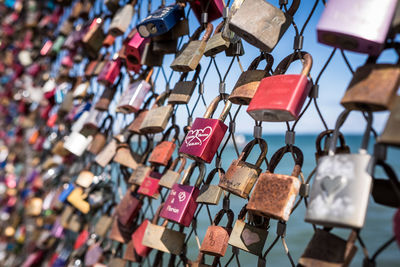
(214, 11)
(215, 241)
(133, 97)
(248, 237)
(137, 238)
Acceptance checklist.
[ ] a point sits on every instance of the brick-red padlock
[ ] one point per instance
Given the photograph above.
(213, 8)
(134, 48)
(216, 239)
(128, 208)
(280, 97)
(181, 204)
(203, 139)
(110, 72)
(163, 151)
(150, 185)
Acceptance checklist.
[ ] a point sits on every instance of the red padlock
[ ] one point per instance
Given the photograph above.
(128, 208)
(280, 97)
(150, 185)
(163, 151)
(134, 47)
(215, 9)
(110, 72)
(202, 141)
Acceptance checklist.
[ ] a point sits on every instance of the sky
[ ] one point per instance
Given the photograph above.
(333, 82)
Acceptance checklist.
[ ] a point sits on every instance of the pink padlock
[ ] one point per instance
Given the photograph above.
(181, 204)
(214, 11)
(134, 49)
(150, 186)
(110, 72)
(203, 139)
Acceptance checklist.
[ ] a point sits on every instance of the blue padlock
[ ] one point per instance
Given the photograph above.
(65, 193)
(160, 21)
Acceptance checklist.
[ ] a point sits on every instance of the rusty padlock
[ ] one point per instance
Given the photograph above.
(190, 55)
(216, 239)
(274, 194)
(241, 175)
(183, 90)
(163, 151)
(248, 82)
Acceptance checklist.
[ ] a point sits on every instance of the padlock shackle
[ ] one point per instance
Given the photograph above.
(208, 32)
(212, 173)
(219, 27)
(156, 217)
(213, 106)
(161, 99)
(340, 121)
(148, 77)
(110, 119)
(278, 155)
(149, 145)
(268, 57)
(285, 63)
(196, 74)
(242, 216)
(175, 162)
(189, 171)
(247, 149)
(167, 133)
(293, 8)
(325, 134)
(147, 102)
(219, 216)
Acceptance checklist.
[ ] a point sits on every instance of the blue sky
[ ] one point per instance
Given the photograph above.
(333, 82)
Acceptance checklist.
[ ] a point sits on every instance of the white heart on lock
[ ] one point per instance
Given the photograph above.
(198, 136)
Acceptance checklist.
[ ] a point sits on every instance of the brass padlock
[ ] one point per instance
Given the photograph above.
(249, 237)
(241, 175)
(183, 90)
(390, 134)
(274, 194)
(216, 43)
(100, 138)
(190, 55)
(170, 177)
(75, 223)
(105, 222)
(373, 87)
(141, 172)
(85, 178)
(124, 154)
(267, 26)
(93, 39)
(108, 152)
(76, 198)
(121, 20)
(158, 116)
(328, 250)
(210, 194)
(247, 84)
(134, 127)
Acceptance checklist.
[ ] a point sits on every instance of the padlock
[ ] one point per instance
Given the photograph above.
(86, 8)
(280, 97)
(57, 44)
(355, 26)
(100, 138)
(206, 134)
(121, 20)
(248, 82)
(101, 64)
(342, 184)
(75, 11)
(137, 236)
(241, 175)
(34, 206)
(161, 21)
(320, 252)
(213, 8)
(386, 191)
(274, 194)
(210, 194)
(124, 154)
(389, 135)
(181, 204)
(76, 143)
(163, 47)
(140, 173)
(105, 222)
(227, 34)
(80, 91)
(93, 254)
(171, 177)
(85, 178)
(149, 186)
(116, 258)
(134, 47)
(112, 5)
(163, 151)
(373, 87)
(268, 25)
(115, 233)
(158, 116)
(249, 237)
(110, 71)
(77, 199)
(66, 28)
(128, 208)
(216, 43)
(130, 254)
(183, 90)
(150, 58)
(132, 98)
(107, 96)
(164, 239)
(216, 239)
(191, 53)
(342, 149)
(93, 39)
(109, 40)
(107, 153)
(46, 48)
(134, 127)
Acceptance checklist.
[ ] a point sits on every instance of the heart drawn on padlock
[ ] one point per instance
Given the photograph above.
(332, 185)
(198, 136)
(249, 238)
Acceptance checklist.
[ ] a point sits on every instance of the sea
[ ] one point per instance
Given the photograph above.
(378, 226)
